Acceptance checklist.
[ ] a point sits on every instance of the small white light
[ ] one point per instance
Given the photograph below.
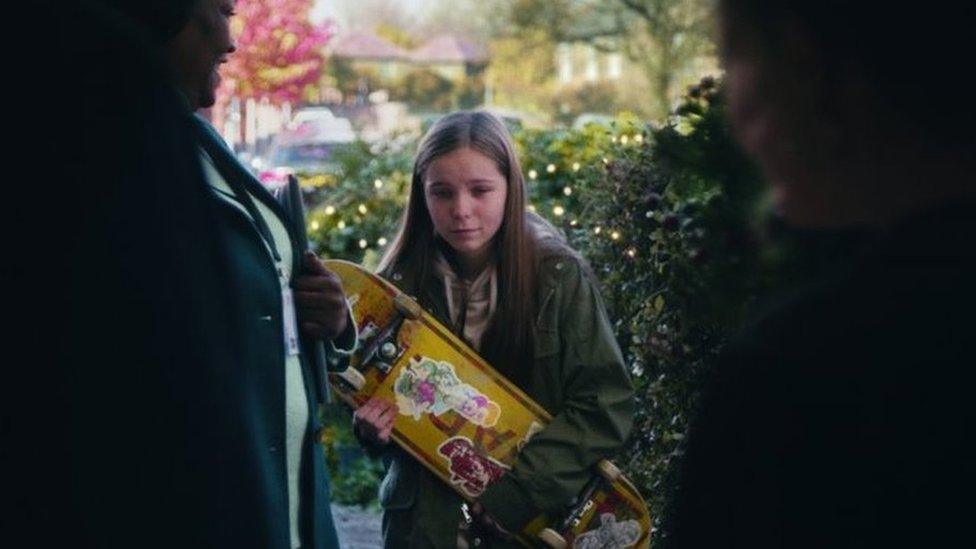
(576, 166)
(613, 139)
(532, 208)
(558, 211)
(362, 209)
(567, 190)
(329, 210)
(631, 252)
(551, 168)
(533, 174)
(624, 139)
(639, 138)
(363, 243)
(315, 225)
(573, 223)
(341, 225)
(381, 242)
(597, 230)
(615, 235)
(378, 183)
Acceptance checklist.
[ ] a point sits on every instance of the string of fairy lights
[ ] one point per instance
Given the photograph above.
(558, 210)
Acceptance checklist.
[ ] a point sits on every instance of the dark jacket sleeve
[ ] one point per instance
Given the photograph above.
(596, 411)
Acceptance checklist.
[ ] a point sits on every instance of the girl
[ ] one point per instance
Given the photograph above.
(508, 284)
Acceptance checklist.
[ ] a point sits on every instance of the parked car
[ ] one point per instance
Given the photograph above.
(308, 152)
(318, 115)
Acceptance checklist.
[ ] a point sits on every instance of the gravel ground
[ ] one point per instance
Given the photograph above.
(358, 528)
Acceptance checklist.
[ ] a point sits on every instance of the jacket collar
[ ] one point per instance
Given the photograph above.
(230, 168)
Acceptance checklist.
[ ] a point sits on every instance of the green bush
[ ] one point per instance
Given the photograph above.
(589, 97)
(352, 219)
(359, 484)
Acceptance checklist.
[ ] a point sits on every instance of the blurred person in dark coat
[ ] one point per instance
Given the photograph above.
(121, 430)
(842, 417)
(288, 300)
(140, 413)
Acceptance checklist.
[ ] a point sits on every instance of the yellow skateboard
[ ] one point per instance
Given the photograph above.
(463, 420)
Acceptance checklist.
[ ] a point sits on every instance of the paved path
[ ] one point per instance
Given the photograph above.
(358, 528)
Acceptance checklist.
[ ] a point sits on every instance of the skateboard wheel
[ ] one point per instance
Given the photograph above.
(388, 350)
(608, 471)
(407, 307)
(552, 539)
(353, 378)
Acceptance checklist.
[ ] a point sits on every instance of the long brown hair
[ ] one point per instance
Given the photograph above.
(411, 252)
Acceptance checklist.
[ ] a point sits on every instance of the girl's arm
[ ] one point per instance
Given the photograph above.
(592, 392)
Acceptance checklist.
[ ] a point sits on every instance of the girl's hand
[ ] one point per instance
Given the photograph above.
(372, 422)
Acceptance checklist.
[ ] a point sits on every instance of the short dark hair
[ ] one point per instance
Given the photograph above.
(913, 55)
(162, 19)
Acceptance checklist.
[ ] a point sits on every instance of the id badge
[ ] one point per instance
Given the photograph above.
(290, 321)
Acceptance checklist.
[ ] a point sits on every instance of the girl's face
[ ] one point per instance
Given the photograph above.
(465, 195)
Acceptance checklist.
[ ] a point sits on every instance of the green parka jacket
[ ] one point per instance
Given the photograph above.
(579, 377)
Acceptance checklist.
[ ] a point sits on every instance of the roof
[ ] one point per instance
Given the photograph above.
(362, 45)
(451, 49)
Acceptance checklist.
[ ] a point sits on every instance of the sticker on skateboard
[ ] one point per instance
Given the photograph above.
(610, 535)
(428, 386)
(470, 471)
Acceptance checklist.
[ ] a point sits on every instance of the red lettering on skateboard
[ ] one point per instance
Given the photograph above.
(449, 429)
(494, 438)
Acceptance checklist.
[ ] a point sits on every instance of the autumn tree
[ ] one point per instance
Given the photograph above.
(279, 52)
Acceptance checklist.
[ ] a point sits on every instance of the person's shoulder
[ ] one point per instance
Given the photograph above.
(560, 265)
(799, 317)
(556, 261)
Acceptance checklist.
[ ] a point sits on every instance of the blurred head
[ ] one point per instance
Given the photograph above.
(194, 36)
(845, 104)
(200, 47)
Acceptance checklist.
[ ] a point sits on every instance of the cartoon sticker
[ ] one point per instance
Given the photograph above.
(426, 386)
(610, 535)
(471, 471)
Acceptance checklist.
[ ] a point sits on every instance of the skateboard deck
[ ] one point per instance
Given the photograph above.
(462, 419)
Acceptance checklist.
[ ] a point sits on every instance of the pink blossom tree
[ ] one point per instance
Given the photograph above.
(279, 53)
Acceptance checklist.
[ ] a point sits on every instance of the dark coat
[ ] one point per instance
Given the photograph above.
(844, 417)
(254, 279)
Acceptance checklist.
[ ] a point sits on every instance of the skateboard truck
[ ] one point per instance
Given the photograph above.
(383, 345)
(382, 349)
(606, 472)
